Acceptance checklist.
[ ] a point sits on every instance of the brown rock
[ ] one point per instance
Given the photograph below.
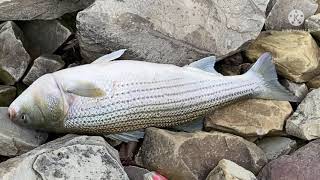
(314, 83)
(253, 117)
(304, 164)
(295, 53)
(179, 155)
(135, 173)
(7, 95)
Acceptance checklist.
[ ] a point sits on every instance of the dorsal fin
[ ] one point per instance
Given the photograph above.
(109, 57)
(206, 64)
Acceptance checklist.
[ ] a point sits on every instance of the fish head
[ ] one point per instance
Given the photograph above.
(41, 106)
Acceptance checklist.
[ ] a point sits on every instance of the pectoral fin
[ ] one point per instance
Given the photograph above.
(127, 136)
(84, 88)
(195, 125)
(206, 64)
(109, 57)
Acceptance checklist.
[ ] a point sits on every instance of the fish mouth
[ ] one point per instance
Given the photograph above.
(12, 113)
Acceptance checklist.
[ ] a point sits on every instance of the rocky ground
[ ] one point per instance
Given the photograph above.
(251, 139)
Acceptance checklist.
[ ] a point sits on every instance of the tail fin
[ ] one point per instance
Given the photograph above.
(272, 89)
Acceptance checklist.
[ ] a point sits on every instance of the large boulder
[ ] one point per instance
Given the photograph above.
(44, 37)
(180, 155)
(312, 24)
(69, 157)
(175, 32)
(14, 59)
(290, 14)
(295, 53)
(228, 170)
(16, 140)
(7, 95)
(303, 164)
(43, 65)
(305, 121)
(39, 9)
(253, 117)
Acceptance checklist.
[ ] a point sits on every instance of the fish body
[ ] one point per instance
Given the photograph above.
(121, 96)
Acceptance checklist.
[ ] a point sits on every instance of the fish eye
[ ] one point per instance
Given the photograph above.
(24, 119)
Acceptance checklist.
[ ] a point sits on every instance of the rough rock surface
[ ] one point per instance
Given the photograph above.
(135, 173)
(278, 18)
(299, 90)
(69, 157)
(305, 121)
(295, 53)
(44, 37)
(15, 140)
(43, 65)
(253, 117)
(303, 164)
(314, 82)
(39, 9)
(7, 95)
(176, 32)
(277, 146)
(228, 170)
(179, 155)
(312, 24)
(14, 59)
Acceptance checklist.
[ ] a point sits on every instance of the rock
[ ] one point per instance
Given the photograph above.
(14, 59)
(253, 117)
(135, 173)
(275, 147)
(228, 170)
(295, 53)
(38, 33)
(7, 95)
(305, 121)
(314, 83)
(176, 32)
(312, 24)
(180, 155)
(303, 164)
(299, 90)
(15, 140)
(290, 14)
(43, 65)
(39, 9)
(69, 157)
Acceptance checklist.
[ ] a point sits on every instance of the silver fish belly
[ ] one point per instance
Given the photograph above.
(163, 103)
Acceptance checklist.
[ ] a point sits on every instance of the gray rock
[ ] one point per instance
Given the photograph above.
(275, 147)
(303, 164)
(228, 170)
(69, 157)
(179, 155)
(299, 90)
(135, 173)
(43, 65)
(44, 37)
(15, 140)
(14, 59)
(279, 16)
(176, 32)
(7, 95)
(305, 121)
(312, 24)
(39, 9)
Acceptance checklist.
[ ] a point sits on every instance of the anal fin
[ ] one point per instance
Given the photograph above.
(126, 136)
(195, 125)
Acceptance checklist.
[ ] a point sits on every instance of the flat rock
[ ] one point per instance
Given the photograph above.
(295, 53)
(180, 155)
(253, 117)
(175, 32)
(305, 121)
(7, 95)
(312, 24)
(135, 173)
(69, 157)
(39, 9)
(228, 170)
(44, 37)
(275, 147)
(290, 14)
(43, 65)
(14, 59)
(303, 164)
(15, 140)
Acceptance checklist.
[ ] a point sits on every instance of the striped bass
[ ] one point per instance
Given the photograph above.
(117, 97)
